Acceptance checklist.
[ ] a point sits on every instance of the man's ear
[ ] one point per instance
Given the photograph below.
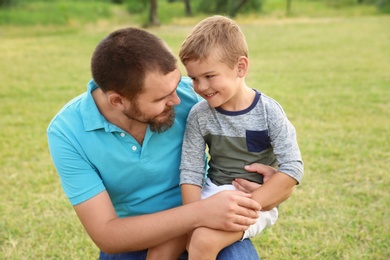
(116, 101)
(242, 66)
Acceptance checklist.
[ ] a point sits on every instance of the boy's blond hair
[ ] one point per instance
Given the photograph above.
(215, 34)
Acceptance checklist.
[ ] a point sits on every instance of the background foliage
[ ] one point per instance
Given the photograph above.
(68, 12)
(327, 64)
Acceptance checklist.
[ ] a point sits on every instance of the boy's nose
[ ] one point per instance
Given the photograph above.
(202, 86)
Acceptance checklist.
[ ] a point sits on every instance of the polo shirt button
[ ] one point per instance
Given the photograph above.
(123, 134)
(134, 147)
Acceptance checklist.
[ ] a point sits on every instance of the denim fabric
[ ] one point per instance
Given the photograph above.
(241, 250)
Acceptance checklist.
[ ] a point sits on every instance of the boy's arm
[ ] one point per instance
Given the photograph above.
(276, 190)
(193, 159)
(286, 149)
(190, 193)
(270, 194)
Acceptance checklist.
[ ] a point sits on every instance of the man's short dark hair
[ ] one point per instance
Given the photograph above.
(121, 61)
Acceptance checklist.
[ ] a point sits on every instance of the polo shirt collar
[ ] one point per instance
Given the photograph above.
(92, 118)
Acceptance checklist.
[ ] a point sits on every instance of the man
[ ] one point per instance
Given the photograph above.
(117, 151)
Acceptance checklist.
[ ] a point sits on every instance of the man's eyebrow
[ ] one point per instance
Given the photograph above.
(177, 85)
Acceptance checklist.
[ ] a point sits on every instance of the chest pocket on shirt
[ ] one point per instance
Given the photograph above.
(257, 141)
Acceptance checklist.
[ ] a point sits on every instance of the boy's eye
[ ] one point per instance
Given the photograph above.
(209, 76)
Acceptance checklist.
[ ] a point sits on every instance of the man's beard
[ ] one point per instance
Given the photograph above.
(159, 126)
(155, 124)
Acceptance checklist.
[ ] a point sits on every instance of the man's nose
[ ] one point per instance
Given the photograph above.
(174, 100)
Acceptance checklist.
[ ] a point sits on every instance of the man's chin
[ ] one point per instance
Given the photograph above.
(162, 122)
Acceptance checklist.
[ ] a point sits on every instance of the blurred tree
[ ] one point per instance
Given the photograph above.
(383, 6)
(288, 7)
(230, 7)
(7, 3)
(137, 7)
(153, 14)
(188, 7)
(235, 6)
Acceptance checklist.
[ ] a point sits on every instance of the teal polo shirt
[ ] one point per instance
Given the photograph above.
(92, 155)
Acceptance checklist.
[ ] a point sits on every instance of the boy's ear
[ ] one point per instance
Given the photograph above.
(242, 66)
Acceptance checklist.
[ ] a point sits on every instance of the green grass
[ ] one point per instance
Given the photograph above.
(26, 13)
(331, 75)
(333, 78)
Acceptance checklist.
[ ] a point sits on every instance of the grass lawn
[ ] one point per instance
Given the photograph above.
(331, 75)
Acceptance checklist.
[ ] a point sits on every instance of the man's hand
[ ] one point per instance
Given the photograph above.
(229, 211)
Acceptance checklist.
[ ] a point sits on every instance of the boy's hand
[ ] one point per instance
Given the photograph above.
(248, 186)
(265, 170)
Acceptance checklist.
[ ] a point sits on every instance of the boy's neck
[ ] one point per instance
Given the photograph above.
(242, 100)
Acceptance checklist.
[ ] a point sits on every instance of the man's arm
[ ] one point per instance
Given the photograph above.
(229, 210)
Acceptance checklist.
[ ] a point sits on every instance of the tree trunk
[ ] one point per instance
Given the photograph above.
(288, 7)
(153, 16)
(188, 7)
(233, 10)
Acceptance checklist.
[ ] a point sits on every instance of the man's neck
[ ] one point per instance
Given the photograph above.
(134, 128)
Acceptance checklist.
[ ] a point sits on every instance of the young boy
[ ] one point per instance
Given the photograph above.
(238, 125)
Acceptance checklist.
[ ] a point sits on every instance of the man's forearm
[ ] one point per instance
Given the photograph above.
(148, 230)
(227, 210)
